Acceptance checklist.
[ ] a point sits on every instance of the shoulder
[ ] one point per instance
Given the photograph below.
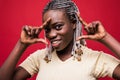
(104, 63)
(36, 56)
(32, 63)
(39, 53)
(90, 53)
(99, 56)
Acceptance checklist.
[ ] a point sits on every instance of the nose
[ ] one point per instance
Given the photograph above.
(51, 34)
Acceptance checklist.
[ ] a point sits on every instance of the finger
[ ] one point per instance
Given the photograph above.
(86, 37)
(95, 26)
(27, 29)
(84, 23)
(36, 40)
(33, 30)
(91, 29)
(40, 40)
(81, 20)
(45, 23)
(37, 31)
(87, 28)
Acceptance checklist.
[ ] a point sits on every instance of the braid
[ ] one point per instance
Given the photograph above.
(68, 6)
(71, 10)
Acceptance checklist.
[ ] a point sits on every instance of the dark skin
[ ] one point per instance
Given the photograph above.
(60, 33)
(96, 31)
(29, 35)
(8, 70)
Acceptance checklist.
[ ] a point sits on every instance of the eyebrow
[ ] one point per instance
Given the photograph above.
(53, 24)
(57, 23)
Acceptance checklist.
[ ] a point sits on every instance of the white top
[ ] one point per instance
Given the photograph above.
(93, 65)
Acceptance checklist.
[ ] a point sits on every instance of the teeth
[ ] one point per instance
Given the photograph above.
(55, 42)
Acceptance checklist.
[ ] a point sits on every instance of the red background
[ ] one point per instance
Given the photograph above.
(16, 13)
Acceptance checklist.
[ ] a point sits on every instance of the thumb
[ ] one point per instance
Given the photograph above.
(40, 40)
(85, 37)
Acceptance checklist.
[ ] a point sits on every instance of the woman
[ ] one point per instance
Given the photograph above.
(66, 58)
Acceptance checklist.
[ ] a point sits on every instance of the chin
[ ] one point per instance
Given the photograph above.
(59, 48)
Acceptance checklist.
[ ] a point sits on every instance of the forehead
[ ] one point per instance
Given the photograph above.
(55, 15)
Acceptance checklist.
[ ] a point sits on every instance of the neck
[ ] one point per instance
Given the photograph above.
(66, 52)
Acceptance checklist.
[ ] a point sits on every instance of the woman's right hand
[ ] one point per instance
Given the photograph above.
(30, 35)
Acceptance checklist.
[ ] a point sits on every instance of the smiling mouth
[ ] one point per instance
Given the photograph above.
(55, 43)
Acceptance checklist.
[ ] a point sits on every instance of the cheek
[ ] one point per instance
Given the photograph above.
(67, 34)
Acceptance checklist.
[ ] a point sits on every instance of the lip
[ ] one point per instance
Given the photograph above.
(55, 42)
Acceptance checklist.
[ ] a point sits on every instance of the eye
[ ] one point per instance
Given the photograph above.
(58, 26)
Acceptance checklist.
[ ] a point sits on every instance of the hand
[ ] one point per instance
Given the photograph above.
(29, 34)
(95, 30)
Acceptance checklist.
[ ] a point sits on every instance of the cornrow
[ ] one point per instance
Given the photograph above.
(71, 10)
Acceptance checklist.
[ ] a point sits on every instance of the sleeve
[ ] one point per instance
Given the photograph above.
(105, 65)
(31, 64)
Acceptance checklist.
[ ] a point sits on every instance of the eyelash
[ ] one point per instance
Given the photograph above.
(56, 27)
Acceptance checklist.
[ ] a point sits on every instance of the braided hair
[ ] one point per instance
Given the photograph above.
(66, 5)
(71, 10)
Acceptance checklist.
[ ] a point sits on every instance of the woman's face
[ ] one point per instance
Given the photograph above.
(60, 30)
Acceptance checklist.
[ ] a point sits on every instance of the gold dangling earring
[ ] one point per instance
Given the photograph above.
(48, 56)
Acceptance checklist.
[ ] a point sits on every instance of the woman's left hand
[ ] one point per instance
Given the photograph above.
(95, 30)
